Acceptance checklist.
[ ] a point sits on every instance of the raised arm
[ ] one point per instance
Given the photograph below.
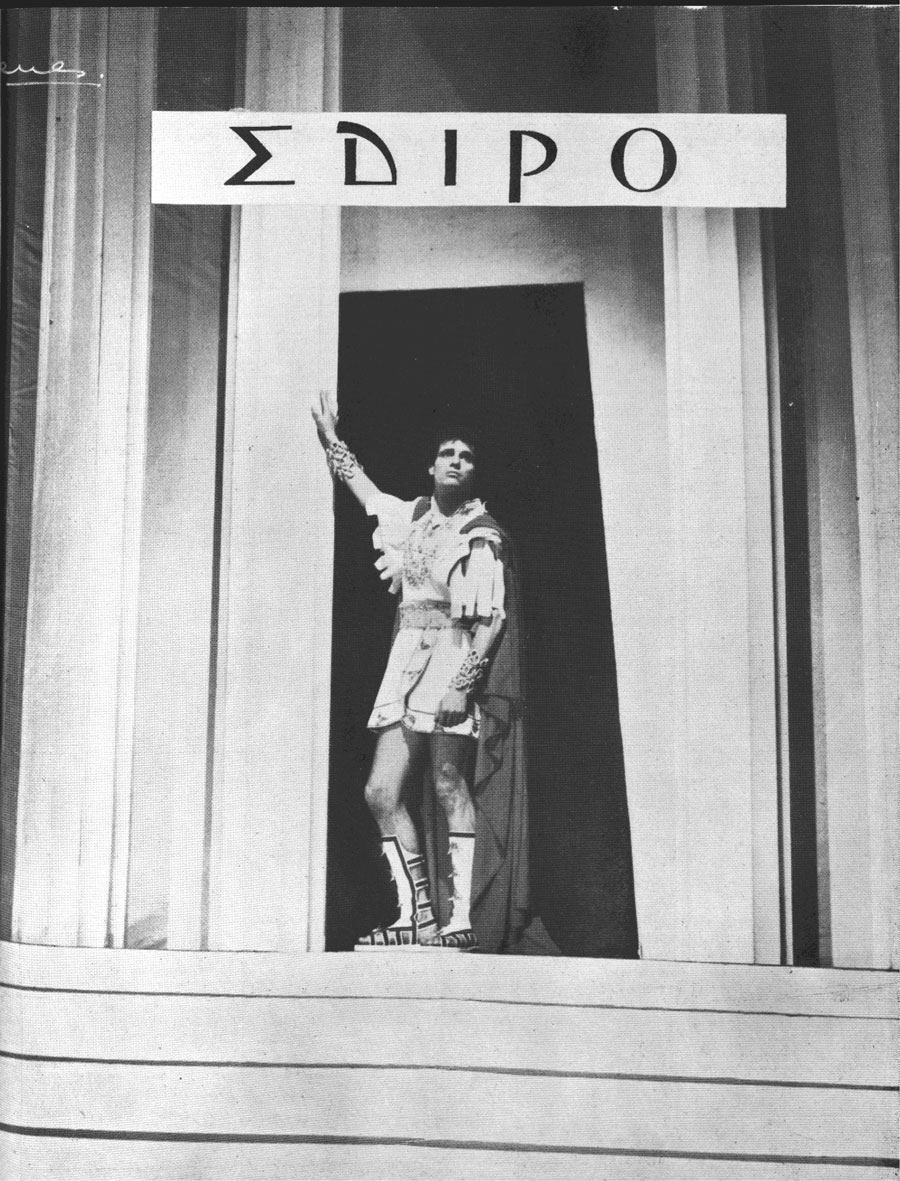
(342, 463)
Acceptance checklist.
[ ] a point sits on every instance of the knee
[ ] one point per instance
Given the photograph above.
(381, 797)
(449, 785)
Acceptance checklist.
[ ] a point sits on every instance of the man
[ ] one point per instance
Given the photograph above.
(451, 702)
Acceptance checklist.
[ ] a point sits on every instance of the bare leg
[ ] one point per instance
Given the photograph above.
(452, 759)
(398, 753)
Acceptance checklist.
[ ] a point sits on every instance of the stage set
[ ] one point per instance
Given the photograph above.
(691, 420)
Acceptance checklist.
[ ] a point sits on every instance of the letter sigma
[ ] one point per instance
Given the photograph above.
(261, 156)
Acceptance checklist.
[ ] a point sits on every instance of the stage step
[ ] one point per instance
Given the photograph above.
(176, 1064)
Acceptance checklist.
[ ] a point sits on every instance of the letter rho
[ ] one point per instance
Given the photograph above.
(515, 160)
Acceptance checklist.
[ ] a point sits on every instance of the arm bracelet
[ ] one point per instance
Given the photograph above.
(341, 460)
(470, 672)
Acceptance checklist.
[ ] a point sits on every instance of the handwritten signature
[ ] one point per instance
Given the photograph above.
(54, 76)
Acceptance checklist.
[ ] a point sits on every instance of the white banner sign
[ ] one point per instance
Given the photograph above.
(265, 158)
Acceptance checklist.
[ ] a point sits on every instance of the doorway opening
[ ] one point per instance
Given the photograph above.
(514, 361)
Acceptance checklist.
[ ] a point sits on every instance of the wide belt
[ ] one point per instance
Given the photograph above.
(428, 613)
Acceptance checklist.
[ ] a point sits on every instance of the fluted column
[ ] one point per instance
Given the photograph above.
(856, 702)
(723, 802)
(274, 627)
(78, 681)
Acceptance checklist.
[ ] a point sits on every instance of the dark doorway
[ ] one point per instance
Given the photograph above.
(512, 362)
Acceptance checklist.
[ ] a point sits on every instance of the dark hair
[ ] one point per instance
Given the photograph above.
(449, 432)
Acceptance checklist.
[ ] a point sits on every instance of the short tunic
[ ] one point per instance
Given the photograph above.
(450, 580)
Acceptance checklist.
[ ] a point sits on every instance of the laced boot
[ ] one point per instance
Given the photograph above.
(415, 926)
(458, 935)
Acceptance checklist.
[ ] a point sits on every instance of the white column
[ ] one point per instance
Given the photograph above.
(861, 803)
(624, 322)
(274, 638)
(167, 865)
(723, 800)
(78, 693)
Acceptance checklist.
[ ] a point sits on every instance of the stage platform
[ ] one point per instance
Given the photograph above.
(168, 1064)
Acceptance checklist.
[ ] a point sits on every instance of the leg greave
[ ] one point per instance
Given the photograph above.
(415, 924)
(458, 934)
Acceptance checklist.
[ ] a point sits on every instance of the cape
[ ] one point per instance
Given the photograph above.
(500, 881)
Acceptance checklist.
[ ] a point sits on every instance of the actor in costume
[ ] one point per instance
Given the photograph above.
(451, 704)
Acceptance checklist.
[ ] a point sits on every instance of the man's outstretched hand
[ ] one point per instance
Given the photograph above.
(325, 416)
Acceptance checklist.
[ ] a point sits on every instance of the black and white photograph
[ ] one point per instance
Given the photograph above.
(450, 602)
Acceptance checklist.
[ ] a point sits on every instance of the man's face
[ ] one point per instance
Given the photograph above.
(454, 466)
